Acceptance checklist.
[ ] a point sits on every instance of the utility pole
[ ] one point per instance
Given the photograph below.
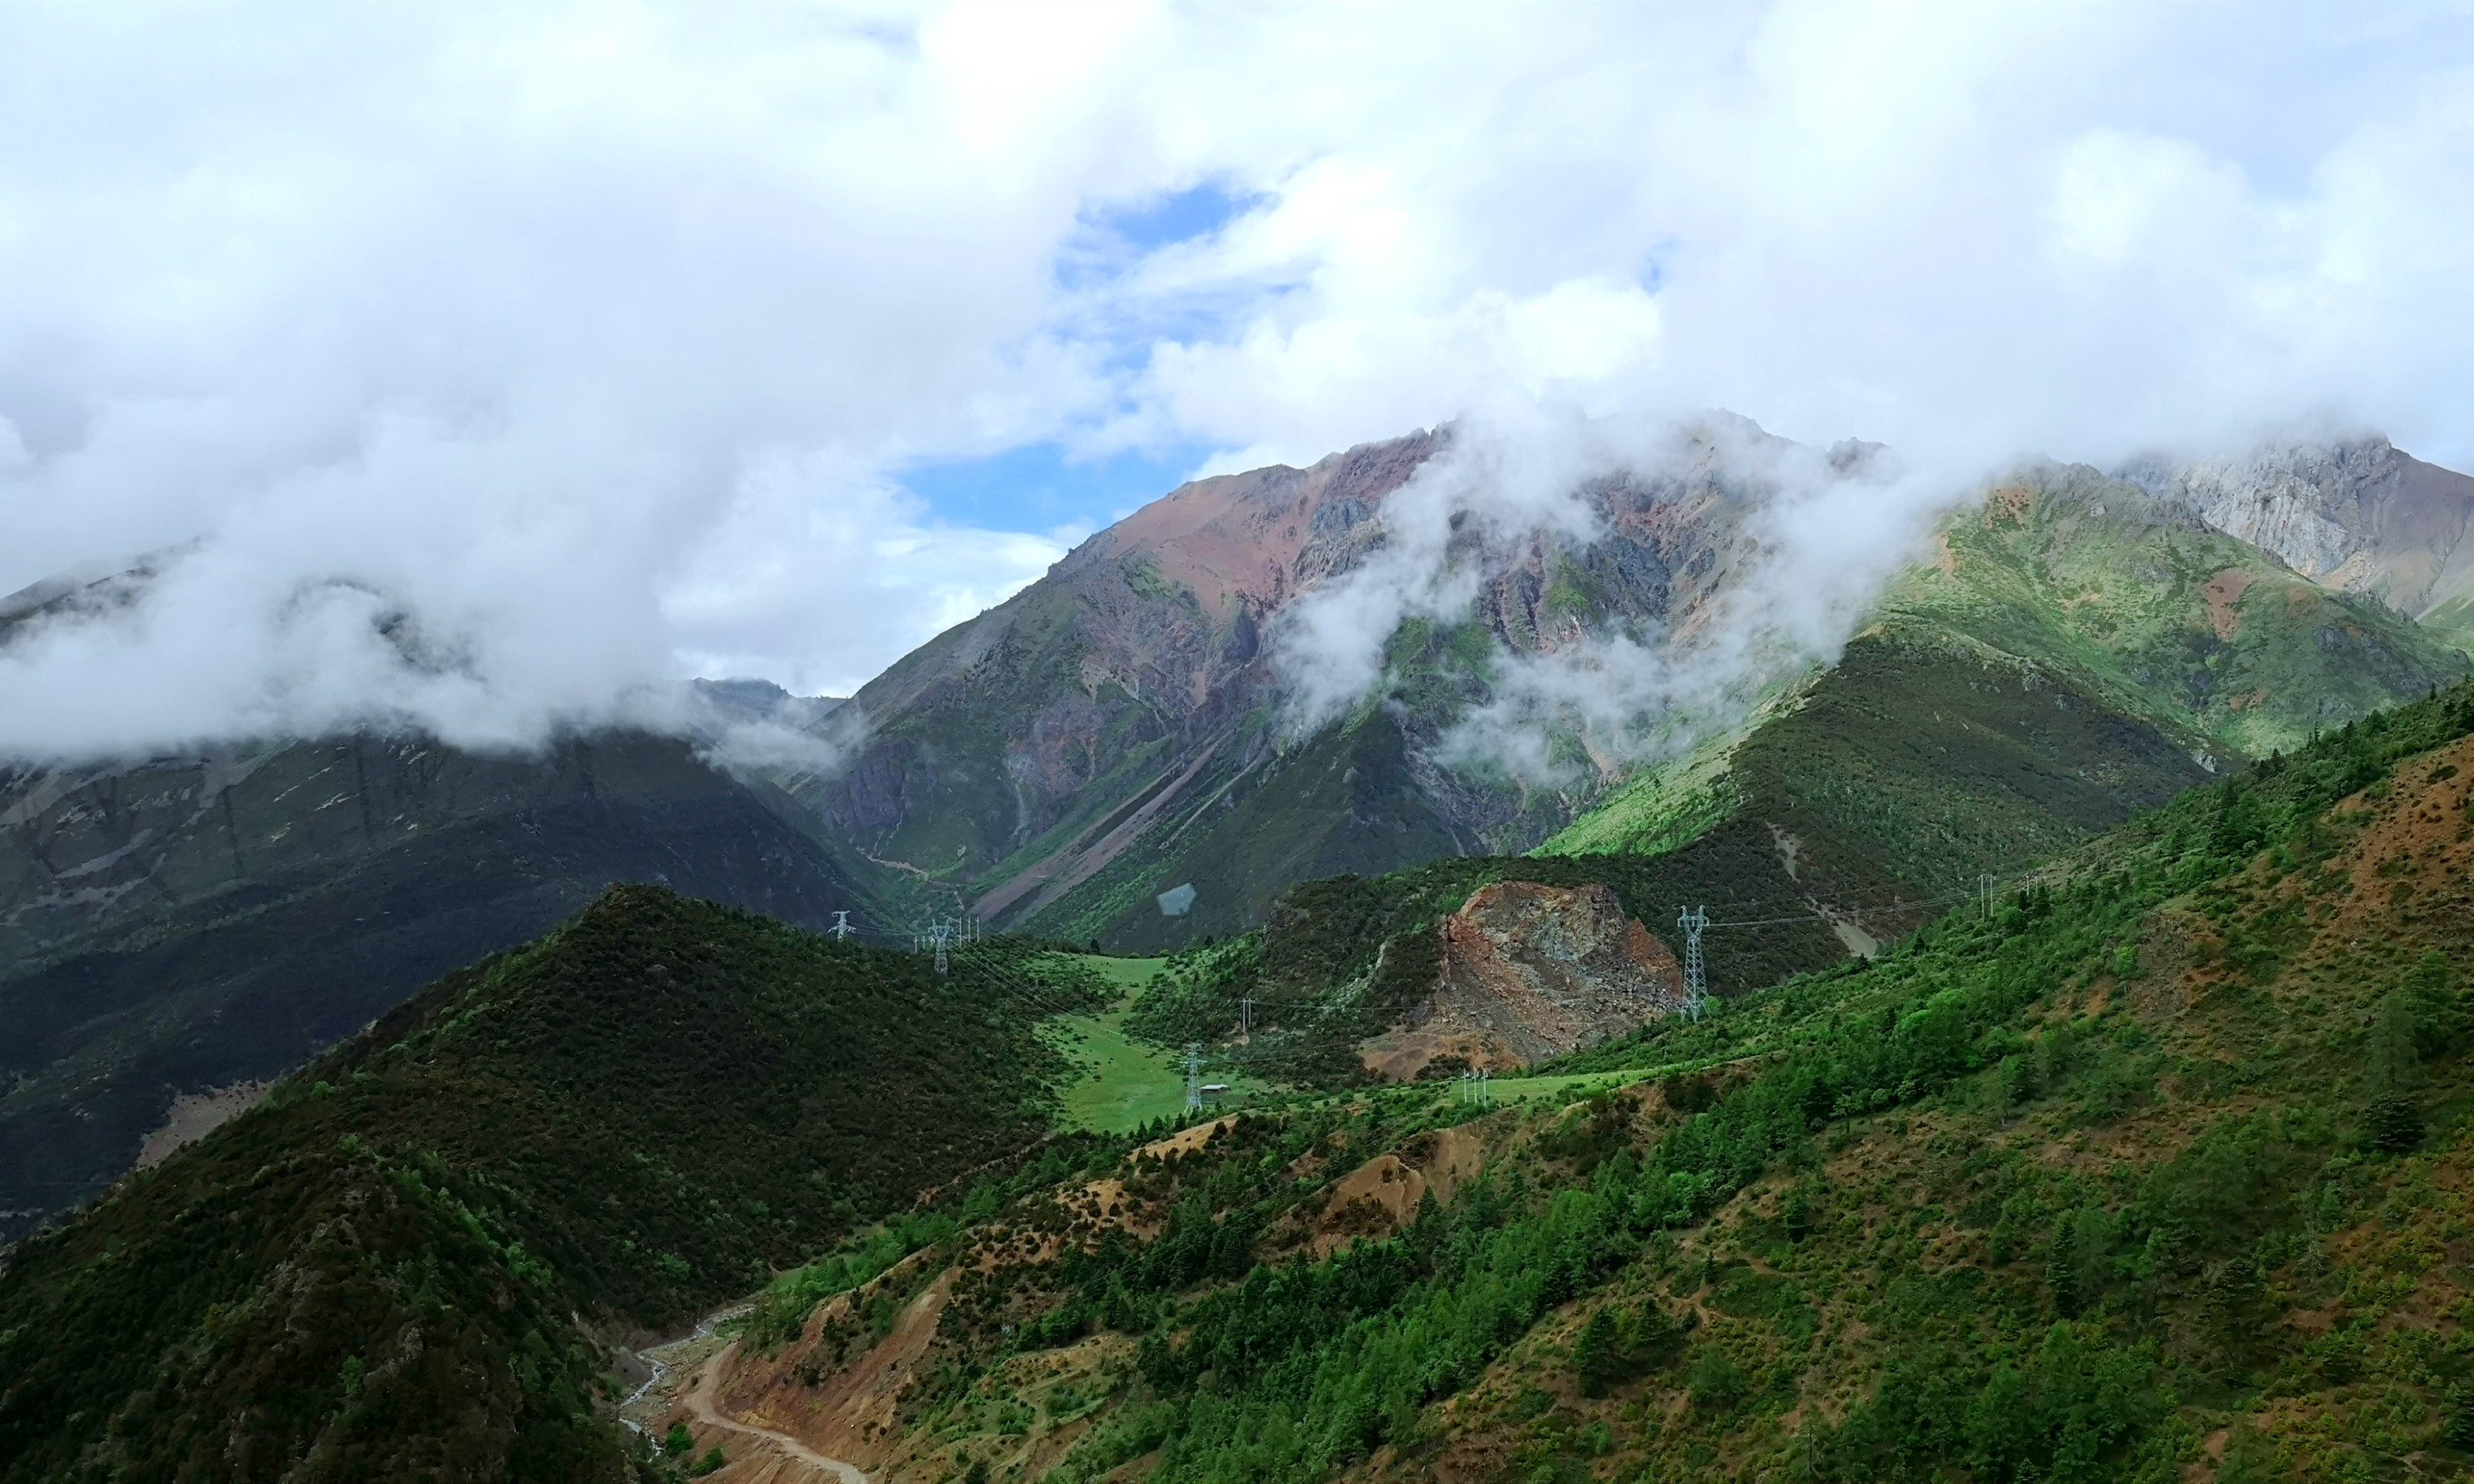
(841, 928)
(1193, 1076)
(1696, 990)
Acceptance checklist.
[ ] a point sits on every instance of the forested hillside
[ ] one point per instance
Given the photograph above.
(2158, 1171)
(377, 1272)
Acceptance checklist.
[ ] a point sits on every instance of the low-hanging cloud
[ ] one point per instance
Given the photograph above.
(1492, 484)
(1822, 534)
(495, 371)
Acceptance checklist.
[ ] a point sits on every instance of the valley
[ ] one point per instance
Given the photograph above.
(2153, 1171)
(2066, 1083)
(2074, 647)
(1161, 743)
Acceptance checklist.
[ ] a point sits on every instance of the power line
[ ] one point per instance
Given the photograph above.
(961, 943)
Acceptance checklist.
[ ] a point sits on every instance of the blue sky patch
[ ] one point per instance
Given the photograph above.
(1111, 238)
(1180, 216)
(1038, 486)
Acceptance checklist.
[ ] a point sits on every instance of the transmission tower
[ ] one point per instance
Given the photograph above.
(841, 928)
(1193, 1076)
(1696, 991)
(1246, 1016)
(941, 933)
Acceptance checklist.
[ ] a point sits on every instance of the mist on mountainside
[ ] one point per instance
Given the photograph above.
(1819, 534)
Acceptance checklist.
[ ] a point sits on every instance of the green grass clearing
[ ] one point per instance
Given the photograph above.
(1572, 1087)
(1125, 1083)
(1126, 973)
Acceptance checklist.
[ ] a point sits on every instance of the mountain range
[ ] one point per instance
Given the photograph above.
(2148, 1168)
(1116, 730)
(2075, 646)
(2075, 1093)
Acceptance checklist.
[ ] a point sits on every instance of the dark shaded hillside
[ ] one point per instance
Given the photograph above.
(187, 924)
(1354, 801)
(1915, 765)
(2161, 1169)
(369, 1276)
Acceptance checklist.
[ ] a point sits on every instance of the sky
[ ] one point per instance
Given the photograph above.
(492, 365)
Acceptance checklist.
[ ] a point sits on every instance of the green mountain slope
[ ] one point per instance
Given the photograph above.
(2077, 651)
(375, 1272)
(2158, 1171)
(1341, 960)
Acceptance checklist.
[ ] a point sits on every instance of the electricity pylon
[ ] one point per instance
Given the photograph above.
(1696, 991)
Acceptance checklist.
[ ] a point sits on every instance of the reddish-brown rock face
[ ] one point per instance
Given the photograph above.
(1532, 971)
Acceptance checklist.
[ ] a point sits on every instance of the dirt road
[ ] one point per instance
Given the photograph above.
(775, 1458)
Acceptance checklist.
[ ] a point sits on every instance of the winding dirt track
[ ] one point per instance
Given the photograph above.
(781, 1459)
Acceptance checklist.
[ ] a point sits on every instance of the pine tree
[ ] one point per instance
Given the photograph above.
(2391, 1075)
(1595, 1355)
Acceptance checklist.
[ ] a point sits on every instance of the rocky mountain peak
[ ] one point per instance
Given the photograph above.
(2354, 513)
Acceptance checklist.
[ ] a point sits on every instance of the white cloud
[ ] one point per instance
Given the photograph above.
(584, 335)
(809, 553)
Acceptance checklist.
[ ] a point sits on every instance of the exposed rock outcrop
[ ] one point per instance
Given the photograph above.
(1532, 971)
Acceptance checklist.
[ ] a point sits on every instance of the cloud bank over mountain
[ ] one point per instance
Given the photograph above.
(502, 366)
